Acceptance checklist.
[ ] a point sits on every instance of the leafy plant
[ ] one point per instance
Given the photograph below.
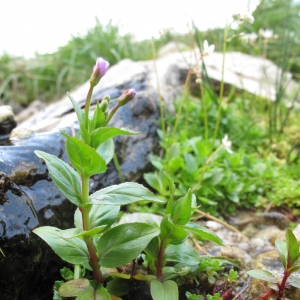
(166, 256)
(289, 253)
(93, 244)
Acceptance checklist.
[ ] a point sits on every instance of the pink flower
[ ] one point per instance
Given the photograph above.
(126, 96)
(99, 71)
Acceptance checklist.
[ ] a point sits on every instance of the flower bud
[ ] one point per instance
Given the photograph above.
(99, 71)
(107, 98)
(104, 105)
(126, 97)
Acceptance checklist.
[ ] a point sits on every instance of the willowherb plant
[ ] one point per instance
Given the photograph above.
(289, 252)
(93, 244)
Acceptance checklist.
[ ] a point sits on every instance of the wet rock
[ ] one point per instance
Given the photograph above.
(28, 199)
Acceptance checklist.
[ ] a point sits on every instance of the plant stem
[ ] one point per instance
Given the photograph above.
(118, 167)
(204, 113)
(221, 86)
(93, 258)
(87, 107)
(187, 81)
(161, 103)
(281, 287)
(77, 271)
(113, 111)
(160, 261)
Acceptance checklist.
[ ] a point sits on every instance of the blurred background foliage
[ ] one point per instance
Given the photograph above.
(47, 77)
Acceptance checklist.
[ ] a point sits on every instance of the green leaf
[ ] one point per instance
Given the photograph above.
(294, 281)
(181, 212)
(263, 275)
(100, 293)
(190, 163)
(153, 248)
(217, 176)
(74, 250)
(156, 161)
(74, 287)
(182, 253)
(107, 150)
(67, 274)
(292, 247)
(78, 110)
(80, 116)
(75, 232)
(294, 269)
(97, 119)
(282, 250)
(118, 286)
(175, 164)
(65, 178)
(84, 158)
(204, 233)
(167, 290)
(99, 215)
(158, 181)
(100, 135)
(122, 194)
(123, 243)
(173, 233)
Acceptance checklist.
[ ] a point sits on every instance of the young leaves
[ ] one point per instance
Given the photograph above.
(74, 250)
(102, 134)
(64, 177)
(122, 194)
(84, 158)
(123, 243)
(292, 247)
(172, 233)
(181, 212)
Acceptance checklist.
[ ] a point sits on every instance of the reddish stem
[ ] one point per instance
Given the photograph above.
(282, 286)
(93, 259)
(160, 261)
